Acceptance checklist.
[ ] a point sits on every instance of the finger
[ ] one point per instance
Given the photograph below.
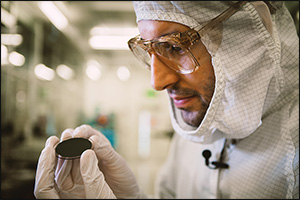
(66, 134)
(63, 177)
(93, 178)
(83, 131)
(75, 171)
(100, 144)
(74, 176)
(44, 179)
(87, 132)
(52, 141)
(62, 174)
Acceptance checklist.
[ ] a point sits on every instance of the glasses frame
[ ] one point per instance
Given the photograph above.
(185, 39)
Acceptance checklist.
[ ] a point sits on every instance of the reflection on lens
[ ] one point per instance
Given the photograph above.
(142, 55)
(182, 59)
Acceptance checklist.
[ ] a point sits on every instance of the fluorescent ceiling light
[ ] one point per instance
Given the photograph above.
(16, 58)
(111, 38)
(3, 54)
(128, 31)
(11, 39)
(65, 72)
(109, 42)
(7, 19)
(44, 73)
(123, 73)
(93, 70)
(3, 51)
(53, 14)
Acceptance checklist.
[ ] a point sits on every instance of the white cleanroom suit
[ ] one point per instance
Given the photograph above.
(254, 112)
(251, 125)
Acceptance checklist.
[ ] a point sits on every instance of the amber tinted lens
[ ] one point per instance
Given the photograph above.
(181, 59)
(141, 54)
(180, 56)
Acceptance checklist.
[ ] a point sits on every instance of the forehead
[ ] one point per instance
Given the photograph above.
(151, 29)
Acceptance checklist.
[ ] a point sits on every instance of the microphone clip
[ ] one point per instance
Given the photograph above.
(207, 154)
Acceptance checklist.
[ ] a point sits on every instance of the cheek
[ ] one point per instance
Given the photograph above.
(209, 75)
(203, 81)
(203, 57)
(205, 73)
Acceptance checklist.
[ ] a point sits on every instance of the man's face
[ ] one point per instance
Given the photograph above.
(191, 93)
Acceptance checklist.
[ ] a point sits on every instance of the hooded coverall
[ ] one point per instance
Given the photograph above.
(254, 112)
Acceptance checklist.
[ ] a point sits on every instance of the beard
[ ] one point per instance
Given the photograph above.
(194, 114)
(193, 118)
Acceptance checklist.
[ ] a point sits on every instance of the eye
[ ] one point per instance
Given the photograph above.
(177, 49)
(170, 49)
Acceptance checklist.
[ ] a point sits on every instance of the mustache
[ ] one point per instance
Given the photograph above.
(175, 90)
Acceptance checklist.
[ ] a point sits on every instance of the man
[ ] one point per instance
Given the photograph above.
(232, 78)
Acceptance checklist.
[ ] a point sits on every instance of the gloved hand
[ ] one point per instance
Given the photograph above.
(84, 180)
(72, 178)
(118, 175)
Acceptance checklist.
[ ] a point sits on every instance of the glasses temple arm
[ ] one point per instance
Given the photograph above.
(221, 18)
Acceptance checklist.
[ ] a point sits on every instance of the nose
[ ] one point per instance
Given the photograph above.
(162, 77)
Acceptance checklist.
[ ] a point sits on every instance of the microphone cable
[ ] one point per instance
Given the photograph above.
(217, 164)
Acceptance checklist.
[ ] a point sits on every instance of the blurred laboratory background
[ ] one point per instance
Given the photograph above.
(66, 63)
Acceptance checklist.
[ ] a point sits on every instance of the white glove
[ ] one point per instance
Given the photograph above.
(118, 175)
(72, 178)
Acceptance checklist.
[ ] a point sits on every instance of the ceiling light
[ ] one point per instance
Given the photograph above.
(3, 54)
(93, 70)
(109, 42)
(16, 58)
(3, 51)
(123, 73)
(64, 72)
(53, 14)
(111, 38)
(11, 39)
(128, 31)
(44, 73)
(7, 19)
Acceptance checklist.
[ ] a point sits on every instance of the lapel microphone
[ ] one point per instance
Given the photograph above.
(217, 164)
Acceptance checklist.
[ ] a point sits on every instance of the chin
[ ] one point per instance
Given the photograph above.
(193, 118)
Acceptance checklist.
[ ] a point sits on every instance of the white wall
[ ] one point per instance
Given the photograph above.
(127, 100)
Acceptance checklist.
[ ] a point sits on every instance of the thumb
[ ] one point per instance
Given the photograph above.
(44, 179)
(93, 178)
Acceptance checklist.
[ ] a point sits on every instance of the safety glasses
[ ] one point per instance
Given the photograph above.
(175, 48)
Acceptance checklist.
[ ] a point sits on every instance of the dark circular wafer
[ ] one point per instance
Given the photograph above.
(72, 148)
